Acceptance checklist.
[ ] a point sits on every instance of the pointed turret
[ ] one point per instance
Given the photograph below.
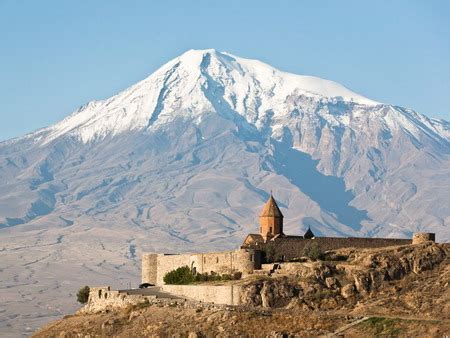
(308, 234)
(271, 219)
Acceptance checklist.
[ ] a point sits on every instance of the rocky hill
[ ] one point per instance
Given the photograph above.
(400, 291)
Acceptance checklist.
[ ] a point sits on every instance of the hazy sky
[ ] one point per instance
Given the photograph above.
(57, 55)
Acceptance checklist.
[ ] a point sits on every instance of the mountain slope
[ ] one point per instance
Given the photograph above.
(184, 160)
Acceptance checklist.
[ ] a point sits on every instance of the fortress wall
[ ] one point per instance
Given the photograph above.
(166, 263)
(149, 268)
(333, 243)
(294, 247)
(243, 260)
(101, 298)
(217, 294)
(218, 262)
(155, 266)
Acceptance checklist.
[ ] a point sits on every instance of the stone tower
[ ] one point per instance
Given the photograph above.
(271, 220)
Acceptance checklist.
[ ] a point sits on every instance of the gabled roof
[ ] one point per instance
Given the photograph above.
(255, 237)
(271, 209)
(252, 239)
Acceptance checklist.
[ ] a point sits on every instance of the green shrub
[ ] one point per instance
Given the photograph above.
(312, 251)
(384, 327)
(205, 277)
(184, 275)
(226, 277)
(83, 295)
(201, 277)
(179, 276)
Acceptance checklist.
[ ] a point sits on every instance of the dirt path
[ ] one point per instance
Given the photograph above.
(346, 327)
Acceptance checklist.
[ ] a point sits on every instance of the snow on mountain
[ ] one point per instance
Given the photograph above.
(183, 161)
(181, 87)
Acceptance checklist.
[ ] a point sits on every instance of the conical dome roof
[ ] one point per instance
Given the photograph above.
(271, 209)
(308, 234)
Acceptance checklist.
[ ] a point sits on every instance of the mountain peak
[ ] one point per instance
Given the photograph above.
(194, 57)
(200, 81)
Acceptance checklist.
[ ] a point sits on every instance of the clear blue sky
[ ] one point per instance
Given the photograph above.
(57, 55)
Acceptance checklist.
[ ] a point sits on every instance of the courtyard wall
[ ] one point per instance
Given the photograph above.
(155, 266)
(290, 247)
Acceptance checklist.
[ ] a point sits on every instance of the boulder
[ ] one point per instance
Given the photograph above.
(332, 282)
(348, 291)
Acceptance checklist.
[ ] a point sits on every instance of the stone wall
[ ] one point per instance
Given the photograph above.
(101, 298)
(217, 294)
(149, 268)
(155, 266)
(422, 237)
(287, 248)
(249, 258)
(166, 263)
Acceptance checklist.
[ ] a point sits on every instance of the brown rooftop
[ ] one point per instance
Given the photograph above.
(271, 209)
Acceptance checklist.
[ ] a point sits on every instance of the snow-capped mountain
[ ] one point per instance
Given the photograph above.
(190, 86)
(184, 160)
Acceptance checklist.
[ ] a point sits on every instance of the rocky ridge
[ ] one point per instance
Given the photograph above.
(406, 288)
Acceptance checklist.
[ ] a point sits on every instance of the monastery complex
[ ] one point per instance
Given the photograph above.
(270, 245)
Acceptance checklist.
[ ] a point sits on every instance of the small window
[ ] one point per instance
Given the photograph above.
(251, 258)
(99, 293)
(106, 295)
(204, 259)
(270, 230)
(217, 259)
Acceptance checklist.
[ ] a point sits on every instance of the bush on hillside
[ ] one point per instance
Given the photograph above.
(184, 275)
(179, 276)
(83, 295)
(205, 277)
